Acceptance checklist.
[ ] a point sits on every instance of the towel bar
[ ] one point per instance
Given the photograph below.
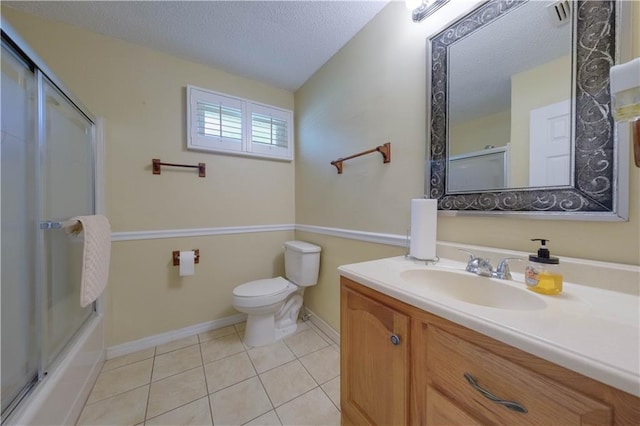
(385, 150)
(50, 225)
(156, 167)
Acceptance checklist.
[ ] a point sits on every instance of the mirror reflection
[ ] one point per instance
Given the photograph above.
(510, 111)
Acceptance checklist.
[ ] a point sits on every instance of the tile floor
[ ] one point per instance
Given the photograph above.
(214, 379)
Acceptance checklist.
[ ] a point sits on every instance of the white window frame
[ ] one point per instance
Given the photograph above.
(246, 147)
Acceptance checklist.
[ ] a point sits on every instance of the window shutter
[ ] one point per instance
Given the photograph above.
(220, 123)
(216, 121)
(269, 130)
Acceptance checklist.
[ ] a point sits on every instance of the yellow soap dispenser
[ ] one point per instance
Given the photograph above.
(543, 273)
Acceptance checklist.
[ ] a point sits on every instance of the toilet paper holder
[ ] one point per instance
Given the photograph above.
(176, 257)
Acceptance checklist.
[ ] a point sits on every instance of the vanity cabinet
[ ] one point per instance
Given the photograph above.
(441, 373)
(376, 358)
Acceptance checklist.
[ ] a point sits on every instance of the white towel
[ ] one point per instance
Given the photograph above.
(96, 254)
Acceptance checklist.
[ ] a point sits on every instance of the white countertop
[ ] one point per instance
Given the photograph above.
(590, 330)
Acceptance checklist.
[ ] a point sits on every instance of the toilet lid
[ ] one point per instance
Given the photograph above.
(261, 287)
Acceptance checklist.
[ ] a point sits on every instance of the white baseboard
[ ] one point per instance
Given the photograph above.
(161, 339)
(324, 327)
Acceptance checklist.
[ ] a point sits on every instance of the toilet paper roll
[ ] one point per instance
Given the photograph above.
(424, 222)
(187, 263)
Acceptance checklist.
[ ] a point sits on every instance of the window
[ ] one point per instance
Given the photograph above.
(221, 123)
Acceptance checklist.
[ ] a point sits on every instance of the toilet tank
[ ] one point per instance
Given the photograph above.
(301, 263)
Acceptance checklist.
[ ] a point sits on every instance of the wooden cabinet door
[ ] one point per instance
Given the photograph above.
(374, 362)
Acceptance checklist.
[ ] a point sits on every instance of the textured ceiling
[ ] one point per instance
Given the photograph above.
(281, 43)
(481, 65)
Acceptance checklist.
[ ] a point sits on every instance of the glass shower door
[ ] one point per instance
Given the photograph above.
(19, 295)
(67, 191)
(46, 177)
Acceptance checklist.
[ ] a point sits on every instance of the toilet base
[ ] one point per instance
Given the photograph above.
(260, 330)
(263, 330)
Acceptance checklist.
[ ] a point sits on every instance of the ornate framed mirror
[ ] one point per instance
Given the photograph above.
(519, 113)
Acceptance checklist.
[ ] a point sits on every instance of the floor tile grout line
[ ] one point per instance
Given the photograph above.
(264, 388)
(237, 333)
(289, 400)
(175, 408)
(216, 338)
(228, 386)
(123, 365)
(175, 374)
(181, 405)
(206, 382)
(322, 334)
(296, 397)
(310, 374)
(315, 350)
(178, 349)
(146, 408)
(255, 370)
(260, 415)
(114, 395)
(274, 408)
(327, 395)
(197, 335)
(274, 367)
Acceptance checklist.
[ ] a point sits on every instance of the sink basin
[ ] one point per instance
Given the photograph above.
(474, 289)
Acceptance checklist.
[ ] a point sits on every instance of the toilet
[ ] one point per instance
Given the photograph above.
(272, 305)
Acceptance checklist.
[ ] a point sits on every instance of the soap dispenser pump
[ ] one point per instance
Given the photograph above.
(543, 273)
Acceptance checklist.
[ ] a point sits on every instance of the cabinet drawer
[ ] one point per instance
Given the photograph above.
(442, 412)
(449, 358)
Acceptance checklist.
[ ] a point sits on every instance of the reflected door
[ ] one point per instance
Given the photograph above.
(550, 145)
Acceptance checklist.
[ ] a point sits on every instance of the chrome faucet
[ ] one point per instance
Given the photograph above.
(503, 271)
(481, 266)
(478, 265)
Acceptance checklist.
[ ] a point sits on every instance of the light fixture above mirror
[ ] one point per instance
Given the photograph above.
(423, 8)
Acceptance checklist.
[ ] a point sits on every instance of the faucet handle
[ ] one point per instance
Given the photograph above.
(502, 270)
(478, 265)
(470, 253)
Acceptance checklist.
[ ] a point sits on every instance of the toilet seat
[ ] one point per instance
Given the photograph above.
(259, 288)
(262, 293)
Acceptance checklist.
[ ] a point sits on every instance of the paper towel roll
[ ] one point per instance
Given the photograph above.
(187, 263)
(424, 221)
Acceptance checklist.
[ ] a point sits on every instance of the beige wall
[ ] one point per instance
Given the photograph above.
(370, 92)
(543, 85)
(141, 95)
(324, 298)
(373, 91)
(474, 135)
(147, 296)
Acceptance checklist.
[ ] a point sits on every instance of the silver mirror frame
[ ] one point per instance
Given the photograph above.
(600, 166)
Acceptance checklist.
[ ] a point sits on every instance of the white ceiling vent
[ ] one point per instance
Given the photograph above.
(560, 12)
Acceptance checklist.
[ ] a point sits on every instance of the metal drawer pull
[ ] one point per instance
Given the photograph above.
(395, 339)
(511, 405)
